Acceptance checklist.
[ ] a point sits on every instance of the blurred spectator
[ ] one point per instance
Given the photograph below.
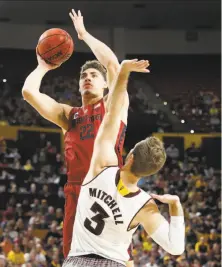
(40, 255)
(28, 165)
(16, 256)
(193, 153)
(214, 238)
(44, 206)
(152, 263)
(172, 152)
(6, 245)
(3, 261)
(214, 110)
(53, 232)
(50, 215)
(45, 191)
(33, 188)
(202, 247)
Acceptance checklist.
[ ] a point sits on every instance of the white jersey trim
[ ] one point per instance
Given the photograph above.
(112, 166)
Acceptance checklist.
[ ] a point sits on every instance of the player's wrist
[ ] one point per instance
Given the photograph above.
(84, 35)
(42, 70)
(124, 70)
(176, 200)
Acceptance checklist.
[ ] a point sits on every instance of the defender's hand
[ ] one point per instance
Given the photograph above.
(167, 198)
(135, 65)
(45, 66)
(77, 20)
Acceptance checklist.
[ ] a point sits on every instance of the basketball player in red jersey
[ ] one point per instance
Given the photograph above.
(79, 124)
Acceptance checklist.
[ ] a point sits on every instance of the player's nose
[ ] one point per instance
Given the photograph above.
(88, 79)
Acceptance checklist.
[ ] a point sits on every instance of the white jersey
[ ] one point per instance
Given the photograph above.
(103, 218)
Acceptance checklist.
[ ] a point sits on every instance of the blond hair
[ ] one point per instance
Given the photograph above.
(149, 157)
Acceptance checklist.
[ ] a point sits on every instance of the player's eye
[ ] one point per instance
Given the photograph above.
(83, 76)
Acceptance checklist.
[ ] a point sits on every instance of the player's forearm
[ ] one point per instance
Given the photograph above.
(176, 209)
(171, 236)
(33, 82)
(177, 226)
(118, 92)
(102, 52)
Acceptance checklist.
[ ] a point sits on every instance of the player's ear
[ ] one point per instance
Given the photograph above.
(131, 159)
(105, 85)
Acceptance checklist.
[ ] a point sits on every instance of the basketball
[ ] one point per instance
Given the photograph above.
(55, 46)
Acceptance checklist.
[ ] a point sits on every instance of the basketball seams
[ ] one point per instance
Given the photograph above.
(55, 46)
(51, 36)
(70, 42)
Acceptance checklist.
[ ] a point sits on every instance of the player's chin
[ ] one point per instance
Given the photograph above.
(87, 92)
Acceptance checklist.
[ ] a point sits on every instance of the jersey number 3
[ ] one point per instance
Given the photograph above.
(101, 214)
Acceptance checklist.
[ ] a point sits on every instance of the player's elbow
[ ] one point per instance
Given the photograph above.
(113, 66)
(176, 250)
(26, 94)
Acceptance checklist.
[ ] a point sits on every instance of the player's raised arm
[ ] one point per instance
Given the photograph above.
(45, 105)
(103, 54)
(104, 147)
(101, 51)
(170, 236)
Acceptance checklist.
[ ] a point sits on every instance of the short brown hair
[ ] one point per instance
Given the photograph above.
(94, 64)
(149, 157)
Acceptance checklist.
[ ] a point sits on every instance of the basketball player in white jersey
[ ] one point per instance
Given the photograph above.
(111, 206)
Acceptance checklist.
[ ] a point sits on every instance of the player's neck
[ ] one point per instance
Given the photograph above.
(89, 100)
(129, 180)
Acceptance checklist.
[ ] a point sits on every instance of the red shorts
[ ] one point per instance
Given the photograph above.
(71, 199)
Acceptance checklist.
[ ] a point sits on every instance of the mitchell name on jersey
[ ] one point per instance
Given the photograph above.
(109, 201)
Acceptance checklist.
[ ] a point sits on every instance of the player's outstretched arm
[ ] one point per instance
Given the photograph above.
(104, 153)
(45, 105)
(170, 236)
(103, 54)
(101, 51)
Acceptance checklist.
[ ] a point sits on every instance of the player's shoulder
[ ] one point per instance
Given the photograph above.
(95, 174)
(147, 210)
(150, 205)
(69, 110)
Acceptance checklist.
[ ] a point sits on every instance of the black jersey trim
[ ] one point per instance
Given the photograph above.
(129, 229)
(118, 143)
(100, 173)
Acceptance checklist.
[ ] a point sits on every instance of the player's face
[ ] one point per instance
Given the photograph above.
(91, 82)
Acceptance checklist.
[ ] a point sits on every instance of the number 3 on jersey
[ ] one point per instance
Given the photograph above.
(101, 214)
(86, 131)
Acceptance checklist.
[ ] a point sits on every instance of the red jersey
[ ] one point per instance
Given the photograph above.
(79, 140)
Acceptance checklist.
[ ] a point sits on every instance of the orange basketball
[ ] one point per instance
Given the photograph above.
(55, 46)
